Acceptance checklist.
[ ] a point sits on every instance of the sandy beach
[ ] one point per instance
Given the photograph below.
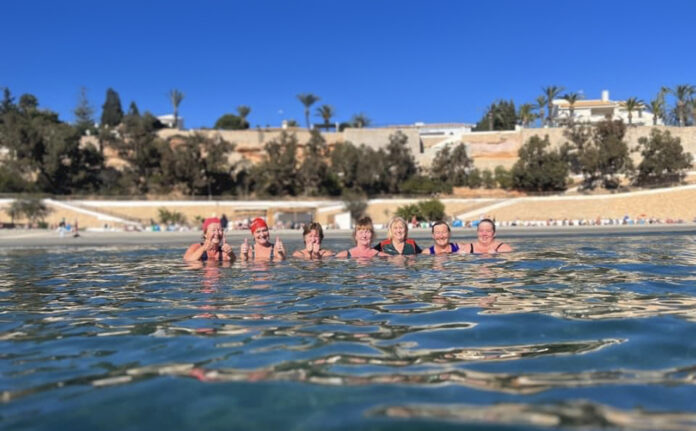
(21, 238)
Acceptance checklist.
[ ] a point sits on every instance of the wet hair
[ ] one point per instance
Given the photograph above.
(487, 220)
(394, 220)
(437, 223)
(364, 223)
(313, 226)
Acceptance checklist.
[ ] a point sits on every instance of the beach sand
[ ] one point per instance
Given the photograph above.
(21, 238)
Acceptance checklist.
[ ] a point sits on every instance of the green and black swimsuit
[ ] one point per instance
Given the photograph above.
(410, 247)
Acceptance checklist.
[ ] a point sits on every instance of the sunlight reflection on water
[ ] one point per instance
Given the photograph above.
(590, 332)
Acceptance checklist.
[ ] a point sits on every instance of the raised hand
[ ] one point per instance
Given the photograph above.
(226, 248)
(315, 248)
(279, 247)
(244, 249)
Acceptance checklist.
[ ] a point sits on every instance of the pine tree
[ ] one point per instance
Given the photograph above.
(112, 113)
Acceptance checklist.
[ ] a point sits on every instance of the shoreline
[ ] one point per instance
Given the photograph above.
(20, 238)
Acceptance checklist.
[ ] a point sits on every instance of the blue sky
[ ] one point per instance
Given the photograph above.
(397, 61)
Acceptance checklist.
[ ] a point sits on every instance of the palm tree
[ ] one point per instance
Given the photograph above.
(657, 106)
(493, 113)
(360, 120)
(326, 112)
(176, 96)
(307, 99)
(525, 114)
(550, 93)
(541, 104)
(683, 94)
(571, 98)
(243, 112)
(632, 104)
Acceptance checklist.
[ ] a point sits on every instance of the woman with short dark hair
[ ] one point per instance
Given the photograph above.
(313, 235)
(441, 237)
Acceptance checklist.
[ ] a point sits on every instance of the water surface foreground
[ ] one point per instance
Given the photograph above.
(569, 332)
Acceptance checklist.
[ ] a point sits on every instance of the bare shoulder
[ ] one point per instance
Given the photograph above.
(298, 253)
(464, 247)
(343, 253)
(192, 249)
(504, 248)
(327, 253)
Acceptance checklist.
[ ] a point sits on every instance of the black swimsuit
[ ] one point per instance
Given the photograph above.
(270, 257)
(471, 247)
(204, 256)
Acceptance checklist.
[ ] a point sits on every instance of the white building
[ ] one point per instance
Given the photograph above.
(596, 110)
(168, 120)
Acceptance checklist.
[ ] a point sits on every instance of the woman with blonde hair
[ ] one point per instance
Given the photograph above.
(397, 241)
(362, 234)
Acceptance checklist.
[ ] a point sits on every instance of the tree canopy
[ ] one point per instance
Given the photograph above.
(664, 159)
(231, 122)
(112, 112)
(500, 115)
(539, 168)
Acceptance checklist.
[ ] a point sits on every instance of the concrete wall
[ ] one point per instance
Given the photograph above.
(255, 139)
(379, 138)
(490, 149)
(250, 143)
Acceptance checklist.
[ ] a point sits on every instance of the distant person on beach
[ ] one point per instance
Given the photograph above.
(397, 241)
(362, 234)
(213, 245)
(486, 242)
(313, 235)
(441, 237)
(263, 248)
(224, 222)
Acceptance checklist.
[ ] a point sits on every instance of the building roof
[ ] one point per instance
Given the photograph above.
(591, 103)
(420, 125)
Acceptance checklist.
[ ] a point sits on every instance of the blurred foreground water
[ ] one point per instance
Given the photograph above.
(570, 333)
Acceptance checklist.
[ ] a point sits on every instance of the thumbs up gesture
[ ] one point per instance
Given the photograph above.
(315, 249)
(244, 249)
(226, 248)
(280, 249)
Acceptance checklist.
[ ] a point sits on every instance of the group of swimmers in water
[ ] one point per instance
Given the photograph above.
(214, 246)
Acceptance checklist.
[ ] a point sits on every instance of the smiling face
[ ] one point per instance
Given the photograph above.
(363, 237)
(261, 236)
(485, 232)
(441, 235)
(214, 233)
(398, 232)
(312, 237)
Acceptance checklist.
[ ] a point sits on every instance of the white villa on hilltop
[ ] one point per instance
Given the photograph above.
(168, 121)
(595, 110)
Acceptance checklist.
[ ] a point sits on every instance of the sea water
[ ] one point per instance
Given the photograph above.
(565, 332)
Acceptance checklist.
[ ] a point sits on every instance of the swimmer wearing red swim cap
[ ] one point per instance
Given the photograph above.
(213, 245)
(263, 248)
